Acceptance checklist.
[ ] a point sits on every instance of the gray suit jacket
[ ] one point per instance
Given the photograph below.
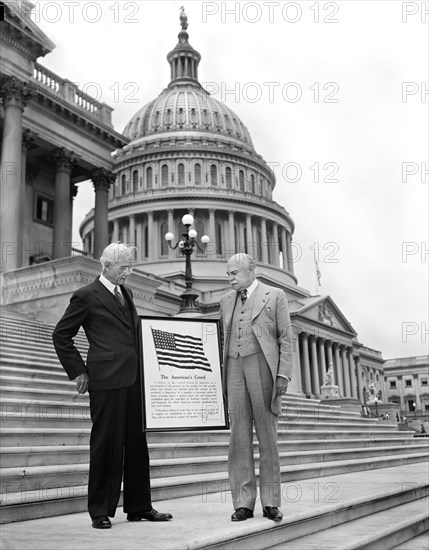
(272, 327)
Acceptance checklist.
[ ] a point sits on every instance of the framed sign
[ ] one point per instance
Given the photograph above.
(182, 377)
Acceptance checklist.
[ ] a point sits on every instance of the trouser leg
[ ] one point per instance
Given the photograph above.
(241, 467)
(106, 450)
(259, 382)
(137, 494)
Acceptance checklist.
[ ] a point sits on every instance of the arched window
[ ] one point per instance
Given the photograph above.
(149, 178)
(164, 245)
(218, 230)
(197, 174)
(213, 174)
(228, 177)
(241, 180)
(181, 174)
(123, 184)
(164, 175)
(260, 186)
(252, 184)
(135, 181)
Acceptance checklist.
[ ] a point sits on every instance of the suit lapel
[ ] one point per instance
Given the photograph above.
(261, 293)
(229, 307)
(108, 300)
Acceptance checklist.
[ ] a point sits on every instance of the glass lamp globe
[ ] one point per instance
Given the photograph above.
(205, 239)
(169, 237)
(187, 219)
(192, 234)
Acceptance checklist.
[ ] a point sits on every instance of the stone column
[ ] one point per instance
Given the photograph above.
(139, 243)
(306, 364)
(132, 230)
(150, 236)
(275, 247)
(14, 95)
(102, 180)
(346, 370)
(315, 383)
(339, 371)
(264, 251)
(330, 359)
(231, 233)
(170, 224)
(212, 230)
(249, 236)
(353, 377)
(27, 145)
(63, 219)
(284, 248)
(289, 251)
(358, 376)
(322, 361)
(115, 235)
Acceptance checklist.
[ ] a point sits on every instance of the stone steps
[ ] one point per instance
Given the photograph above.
(24, 457)
(291, 452)
(420, 542)
(46, 427)
(184, 478)
(348, 511)
(375, 531)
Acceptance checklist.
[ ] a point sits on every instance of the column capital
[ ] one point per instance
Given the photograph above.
(14, 91)
(28, 138)
(102, 179)
(63, 159)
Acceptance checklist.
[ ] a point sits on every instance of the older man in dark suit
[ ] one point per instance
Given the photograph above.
(257, 369)
(106, 312)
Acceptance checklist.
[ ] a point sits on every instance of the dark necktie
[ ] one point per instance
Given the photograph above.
(118, 296)
(243, 296)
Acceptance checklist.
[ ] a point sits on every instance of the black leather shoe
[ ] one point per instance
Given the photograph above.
(272, 512)
(241, 514)
(101, 522)
(150, 515)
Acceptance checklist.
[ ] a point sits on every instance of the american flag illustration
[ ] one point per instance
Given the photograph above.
(179, 350)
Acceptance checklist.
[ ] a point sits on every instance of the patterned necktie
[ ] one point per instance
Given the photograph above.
(243, 296)
(118, 296)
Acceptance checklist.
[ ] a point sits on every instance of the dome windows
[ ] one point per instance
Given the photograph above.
(228, 177)
(164, 175)
(149, 177)
(181, 174)
(197, 174)
(213, 175)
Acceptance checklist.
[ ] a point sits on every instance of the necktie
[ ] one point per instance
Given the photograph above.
(243, 296)
(118, 296)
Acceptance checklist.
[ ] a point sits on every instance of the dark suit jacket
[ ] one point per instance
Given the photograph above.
(114, 353)
(271, 326)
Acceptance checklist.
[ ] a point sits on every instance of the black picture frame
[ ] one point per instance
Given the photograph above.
(182, 374)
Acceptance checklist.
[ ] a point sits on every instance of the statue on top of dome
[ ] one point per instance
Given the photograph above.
(183, 18)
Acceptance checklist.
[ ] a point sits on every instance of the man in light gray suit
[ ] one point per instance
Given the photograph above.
(257, 369)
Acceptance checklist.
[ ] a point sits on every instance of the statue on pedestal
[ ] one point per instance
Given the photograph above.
(372, 397)
(329, 390)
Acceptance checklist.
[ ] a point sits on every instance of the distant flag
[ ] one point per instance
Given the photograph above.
(318, 273)
(179, 350)
(316, 264)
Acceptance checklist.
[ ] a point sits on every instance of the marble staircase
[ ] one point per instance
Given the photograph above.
(45, 430)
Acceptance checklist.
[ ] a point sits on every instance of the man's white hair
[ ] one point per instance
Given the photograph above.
(240, 258)
(118, 252)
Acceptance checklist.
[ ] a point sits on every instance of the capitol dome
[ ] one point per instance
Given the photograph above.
(187, 108)
(190, 153)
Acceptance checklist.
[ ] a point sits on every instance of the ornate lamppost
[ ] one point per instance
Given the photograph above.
(187, 245)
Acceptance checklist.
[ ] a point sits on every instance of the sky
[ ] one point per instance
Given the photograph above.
(334, 95)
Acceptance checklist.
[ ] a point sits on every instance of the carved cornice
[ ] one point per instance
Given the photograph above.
(22, 41)
(102, 179)
(14, 90)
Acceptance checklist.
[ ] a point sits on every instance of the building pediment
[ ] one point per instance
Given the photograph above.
(19, 26)
(321, 310)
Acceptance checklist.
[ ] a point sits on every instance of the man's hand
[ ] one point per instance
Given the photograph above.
(281, 385)
(82, 382)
